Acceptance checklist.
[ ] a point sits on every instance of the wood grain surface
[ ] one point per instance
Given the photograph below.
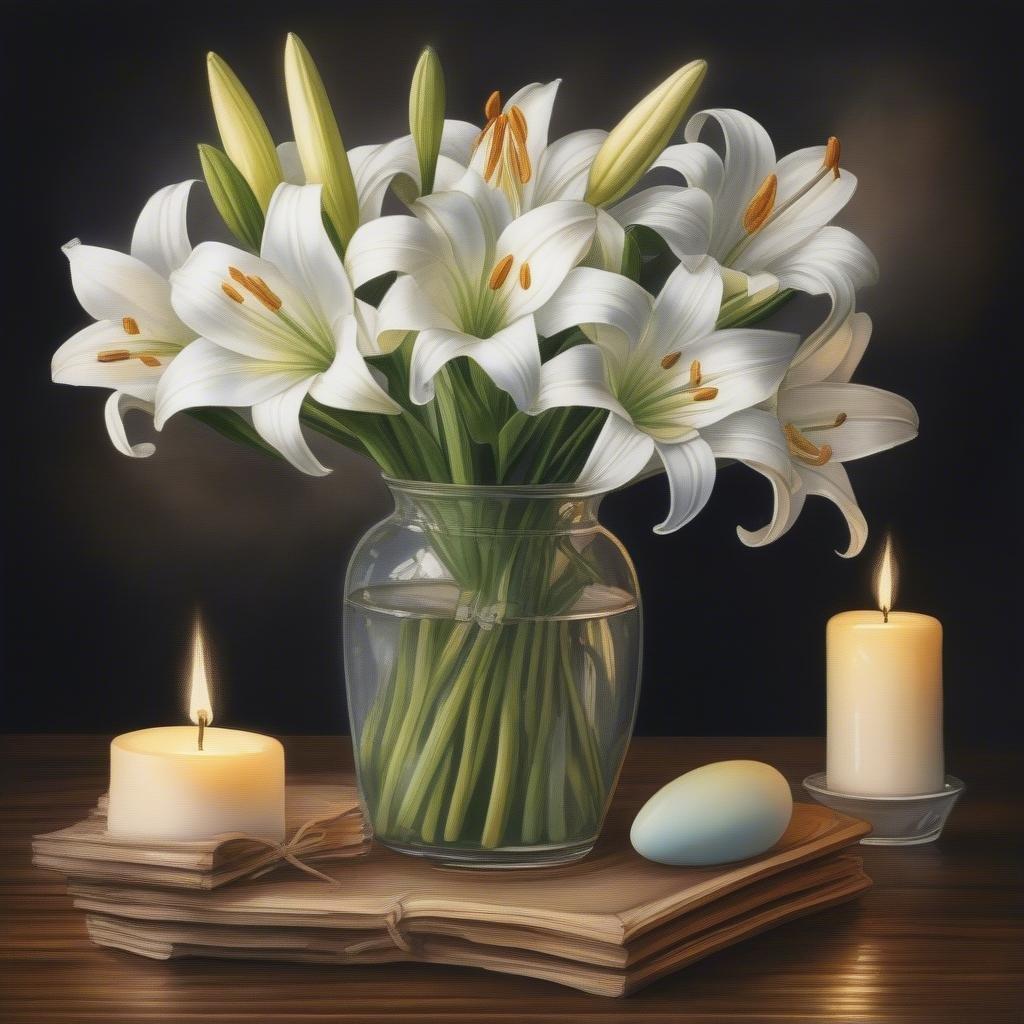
(940, 937)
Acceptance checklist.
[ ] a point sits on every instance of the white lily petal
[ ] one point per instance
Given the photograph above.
(457, 138)
(833, 262)
(690, 467)
(406, 308)
(448, 173)
(749, 159)
(400, 243)
(276, 420)
(861, 334)
(248, 327)
(111, 285)
(564, 168)
(455, 220)
(113, 415)
(686, 307)
(698, 163)
(376, 168)
(745, 365)
(613, 310)
(836, 357)
(161, 238)
(755, 438)
(511, 358)
(551, 239)
(77, 362)
(296, 242)
(608, 246)
(536, 101)
(206, 374)
(291, 163)
(831, 481)
(681, 216)
(620, 454)
(349, 383)
(492, 207)
(875, 420)
(576, 377)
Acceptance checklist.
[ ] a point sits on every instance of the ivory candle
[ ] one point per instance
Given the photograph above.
(884, 699)
(195, 782)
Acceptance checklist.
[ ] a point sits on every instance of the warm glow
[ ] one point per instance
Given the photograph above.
(885, 581)
(199, 691)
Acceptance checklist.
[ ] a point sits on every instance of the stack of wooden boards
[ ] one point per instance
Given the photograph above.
(608, 924)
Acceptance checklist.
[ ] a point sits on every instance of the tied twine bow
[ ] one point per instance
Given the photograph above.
(307, 838)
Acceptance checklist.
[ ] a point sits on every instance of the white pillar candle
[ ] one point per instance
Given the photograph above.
(884, 699)
(195, 782)
(162, 786)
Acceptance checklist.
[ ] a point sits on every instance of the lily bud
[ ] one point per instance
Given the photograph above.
(426, 115)
(318, 139)
(232, 196)
(243, 132)
(637, 140)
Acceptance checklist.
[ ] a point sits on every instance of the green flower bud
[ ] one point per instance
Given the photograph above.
(318, 139)
(426, 115)
(232, 196)
(637, 140)
(243, 132)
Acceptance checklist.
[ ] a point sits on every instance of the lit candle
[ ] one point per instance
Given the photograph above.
(195, 782)
(884, 698)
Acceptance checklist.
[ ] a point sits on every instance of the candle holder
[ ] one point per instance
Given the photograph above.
(895, 820)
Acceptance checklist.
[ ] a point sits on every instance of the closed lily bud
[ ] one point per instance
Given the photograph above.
(232, 196)
(426, 115)
(318, 139)
(243, 132)
(637, 140)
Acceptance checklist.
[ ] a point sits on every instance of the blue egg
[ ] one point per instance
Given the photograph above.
(722, 812)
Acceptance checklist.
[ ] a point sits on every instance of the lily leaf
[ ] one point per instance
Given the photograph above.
(235, 427)
(234, 199)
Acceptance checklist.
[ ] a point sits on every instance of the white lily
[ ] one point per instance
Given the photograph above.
(474, 278)
(395, 164)
(668, 378)
(273, 329)
(827, 421)
(767, 221)
(512, 155)
(137, 333)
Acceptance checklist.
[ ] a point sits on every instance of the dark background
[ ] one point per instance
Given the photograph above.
(106, 558)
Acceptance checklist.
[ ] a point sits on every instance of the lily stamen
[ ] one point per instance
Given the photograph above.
(760, 206)
(113, 356)
(805, 449)
(832, 149)
(261, 290)
(667, 362)
(492, 108)
(497, 141)
(231, 293)
(517, 119)
(837, 422)
(704, 394)
(525, 277)
(695, 376)
(130, 325)
(148, 360)
(500, 272)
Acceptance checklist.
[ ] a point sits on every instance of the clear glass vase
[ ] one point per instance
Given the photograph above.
(492, 661)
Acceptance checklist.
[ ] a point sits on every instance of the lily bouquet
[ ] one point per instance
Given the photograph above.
(533, 327)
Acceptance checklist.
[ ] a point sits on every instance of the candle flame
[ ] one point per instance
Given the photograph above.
(199, 693)
(886, 579)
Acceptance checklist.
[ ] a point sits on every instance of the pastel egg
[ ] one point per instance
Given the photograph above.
(721, 812)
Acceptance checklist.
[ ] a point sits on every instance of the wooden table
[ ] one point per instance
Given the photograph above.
(938, 938)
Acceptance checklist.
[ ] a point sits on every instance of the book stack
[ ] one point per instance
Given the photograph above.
(609, 924)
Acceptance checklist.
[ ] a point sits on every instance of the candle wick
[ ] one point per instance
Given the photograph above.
(885, 614)
(202, 727)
